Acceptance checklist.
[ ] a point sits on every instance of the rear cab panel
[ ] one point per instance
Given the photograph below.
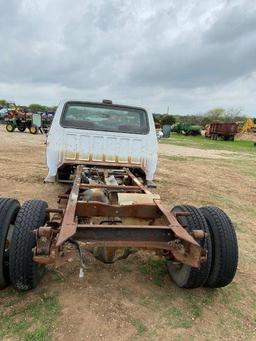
(90, 133)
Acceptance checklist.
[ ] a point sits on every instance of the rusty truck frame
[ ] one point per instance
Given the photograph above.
(109, 207)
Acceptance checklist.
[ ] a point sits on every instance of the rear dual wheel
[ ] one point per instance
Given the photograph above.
(221, 244)
(17, 242)
(184, 275)
(224, 247)
(25, 274)
(8, 212)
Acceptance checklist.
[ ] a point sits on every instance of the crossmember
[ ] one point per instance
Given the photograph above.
(144, 224)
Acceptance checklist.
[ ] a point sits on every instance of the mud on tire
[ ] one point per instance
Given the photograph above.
(224, 247)
(183, 275)
(24, 273)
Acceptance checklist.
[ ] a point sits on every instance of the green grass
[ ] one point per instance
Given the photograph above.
(205, 143)
(126, 292)
(155, 269)
(28, 317)
(178, 318)
(183, 310)
(184, 158)
(140, 327)
(156, 302)
(195, 305)
(179, 310)
(191, 309)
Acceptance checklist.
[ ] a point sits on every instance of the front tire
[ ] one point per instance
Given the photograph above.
(224, 247)
(184, 275)
(10, 127)
(25, 274)
(33, 130)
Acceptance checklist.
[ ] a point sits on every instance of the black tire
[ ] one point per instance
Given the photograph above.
(33, 130)
(24, 273)
(183, 275)
(224, 247)
(10, 127)
(21, 128)
(8, 211)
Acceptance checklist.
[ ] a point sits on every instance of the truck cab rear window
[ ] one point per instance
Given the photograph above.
(105, 118)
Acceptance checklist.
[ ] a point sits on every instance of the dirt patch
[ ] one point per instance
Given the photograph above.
(247, 136)
(172, 150)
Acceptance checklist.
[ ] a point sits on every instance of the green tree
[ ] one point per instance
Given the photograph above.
(157, 117)
(167, 120)
(189, 119)
(3, 103)
(37, 107)
(222, 115)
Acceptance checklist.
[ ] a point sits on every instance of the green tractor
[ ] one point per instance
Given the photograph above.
(21, 121)
(186, 129)
(32, 122)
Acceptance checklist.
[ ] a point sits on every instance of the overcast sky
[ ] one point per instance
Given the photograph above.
(191, 55)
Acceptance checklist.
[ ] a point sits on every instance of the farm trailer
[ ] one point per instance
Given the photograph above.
(108, 208)
(225, 131)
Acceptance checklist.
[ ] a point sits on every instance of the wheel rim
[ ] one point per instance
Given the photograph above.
(186, 276)
(9, 127)
(179, 272)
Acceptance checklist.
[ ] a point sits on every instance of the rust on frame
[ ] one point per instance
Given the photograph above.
(69, 224)
(99, 224)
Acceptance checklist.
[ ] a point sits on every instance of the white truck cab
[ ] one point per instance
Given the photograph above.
(101, 134)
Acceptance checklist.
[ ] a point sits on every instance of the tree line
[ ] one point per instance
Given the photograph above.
(213, 115)
(31, 107)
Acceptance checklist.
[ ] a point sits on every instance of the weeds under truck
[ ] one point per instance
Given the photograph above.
(107, 154)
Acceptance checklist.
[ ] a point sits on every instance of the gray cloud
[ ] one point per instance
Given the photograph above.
(234, 23)
(190, 55)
